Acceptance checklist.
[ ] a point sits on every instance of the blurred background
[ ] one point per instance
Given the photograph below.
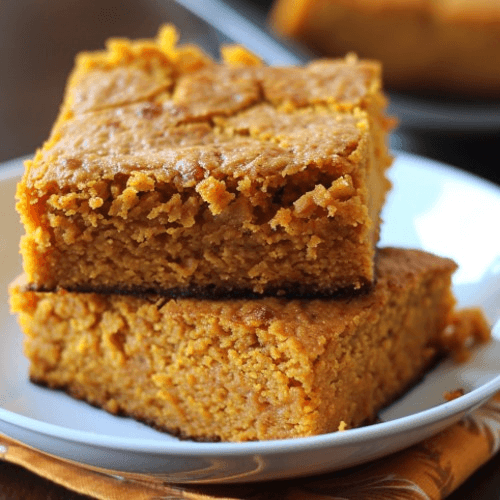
(39, 39)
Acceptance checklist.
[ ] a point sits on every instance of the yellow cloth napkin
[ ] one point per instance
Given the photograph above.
(430, 470)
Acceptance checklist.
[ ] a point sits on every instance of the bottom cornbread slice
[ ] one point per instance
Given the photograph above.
(240, 370)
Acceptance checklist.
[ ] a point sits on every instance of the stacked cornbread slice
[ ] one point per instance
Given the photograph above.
(200, 247)
(243, 369)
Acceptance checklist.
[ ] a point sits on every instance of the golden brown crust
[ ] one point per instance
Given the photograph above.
(171, 122)
(157, 141)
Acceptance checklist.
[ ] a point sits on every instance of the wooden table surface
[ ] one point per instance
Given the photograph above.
(38, 42)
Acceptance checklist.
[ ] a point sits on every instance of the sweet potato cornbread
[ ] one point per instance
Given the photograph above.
(432, 45)
(238, 370)
(169, 173)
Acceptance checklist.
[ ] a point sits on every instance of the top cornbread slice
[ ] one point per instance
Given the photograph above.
(171, 173)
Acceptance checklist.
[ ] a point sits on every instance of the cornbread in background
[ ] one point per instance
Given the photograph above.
(238, 370)
(168, 172)
(435, 46)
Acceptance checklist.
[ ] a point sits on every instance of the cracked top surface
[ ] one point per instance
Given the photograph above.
(179, 116)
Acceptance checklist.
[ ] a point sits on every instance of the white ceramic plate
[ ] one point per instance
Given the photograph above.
(432, 206)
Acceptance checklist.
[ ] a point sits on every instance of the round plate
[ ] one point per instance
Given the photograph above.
(432, 206)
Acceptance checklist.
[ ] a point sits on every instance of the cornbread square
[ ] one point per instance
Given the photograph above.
(437, 46)
(167, 172)
(239, 370)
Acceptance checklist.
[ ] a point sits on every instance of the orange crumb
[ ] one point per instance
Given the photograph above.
(238, 55)
(342, 426)
(467, 327)
(451, 395)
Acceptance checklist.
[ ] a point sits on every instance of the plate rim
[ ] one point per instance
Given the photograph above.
(466, 403)
(14, 168)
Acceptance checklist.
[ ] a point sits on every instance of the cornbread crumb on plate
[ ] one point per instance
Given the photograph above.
(467, 328)
(238, 370)
(167, 172)
(342, 426)
(451, 395)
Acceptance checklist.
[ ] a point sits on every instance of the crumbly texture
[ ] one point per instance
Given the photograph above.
(241, 370)
(434, 45)
(467, 328)
(451, 395)
(169, 173)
